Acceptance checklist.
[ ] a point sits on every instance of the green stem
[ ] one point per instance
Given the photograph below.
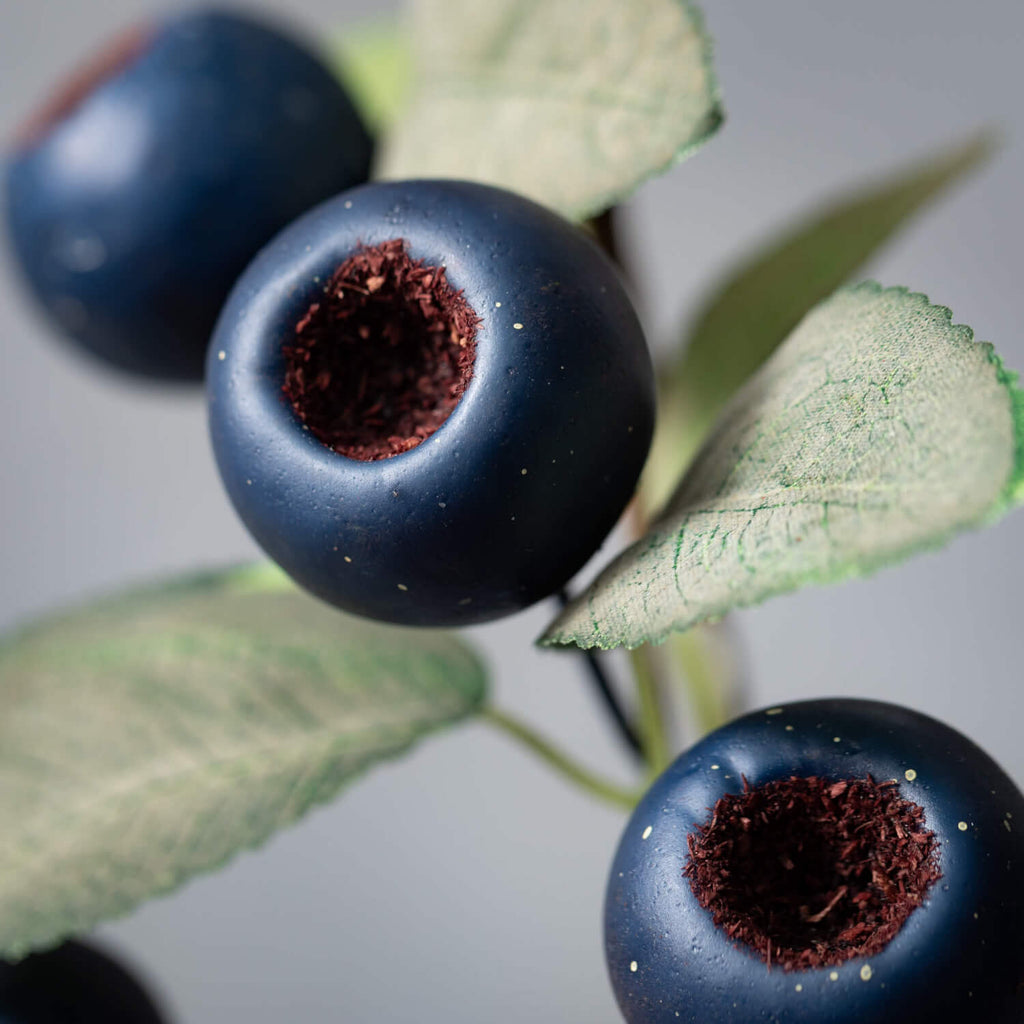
(653, 733)
(706, 682)
(562, 763)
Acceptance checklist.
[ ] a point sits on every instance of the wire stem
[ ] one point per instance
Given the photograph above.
(569, 769)
(606, 233)
(603, 686)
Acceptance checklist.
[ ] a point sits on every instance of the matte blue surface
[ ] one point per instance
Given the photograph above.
(959, 957)
(134, 214)
(515, 491)
(72, 984)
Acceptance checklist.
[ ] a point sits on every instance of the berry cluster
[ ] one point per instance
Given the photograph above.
(430, 402)
(477, 351)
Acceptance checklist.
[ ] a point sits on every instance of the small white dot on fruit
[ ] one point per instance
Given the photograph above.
(222, 355)
(633, 966)
(910, 775)
(518, 327)
(833, 976)
(774, 711)
(962, 825)
(865, 972)
(647, 832)
(402, 586)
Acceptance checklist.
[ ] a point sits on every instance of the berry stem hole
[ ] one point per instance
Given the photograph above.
(381, 359)
(811, 873)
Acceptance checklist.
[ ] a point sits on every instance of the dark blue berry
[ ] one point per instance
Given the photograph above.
(336, 379)
(137, 197)
(72, 984)
(864, 864)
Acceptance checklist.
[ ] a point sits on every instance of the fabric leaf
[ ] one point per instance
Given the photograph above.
(879, 428)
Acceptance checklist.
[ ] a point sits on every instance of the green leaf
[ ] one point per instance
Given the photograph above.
(878, 429)
(571, 102)
(762, 300)
(373, 59)
(155, 735)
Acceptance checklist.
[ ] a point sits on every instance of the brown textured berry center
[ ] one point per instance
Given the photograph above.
(810, 872)
(379, 362)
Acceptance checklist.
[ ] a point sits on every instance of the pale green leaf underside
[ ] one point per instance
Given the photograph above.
(760, 302)
(571, 102)
(877, 429)
(373, 59)
(152, 737)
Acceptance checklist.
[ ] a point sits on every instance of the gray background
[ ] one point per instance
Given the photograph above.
(465, 884)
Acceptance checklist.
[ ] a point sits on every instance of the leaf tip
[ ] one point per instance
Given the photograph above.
(979, 146)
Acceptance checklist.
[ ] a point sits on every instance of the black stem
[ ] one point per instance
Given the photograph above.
(605, 232)
(607, 235)
(603, 686)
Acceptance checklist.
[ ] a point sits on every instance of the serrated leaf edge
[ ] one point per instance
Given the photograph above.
(177, 880)
(248, 577)
(712, 121)
(239, 578)
(1011, 495)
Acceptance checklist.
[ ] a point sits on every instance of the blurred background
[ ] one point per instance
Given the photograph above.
(465, 883)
